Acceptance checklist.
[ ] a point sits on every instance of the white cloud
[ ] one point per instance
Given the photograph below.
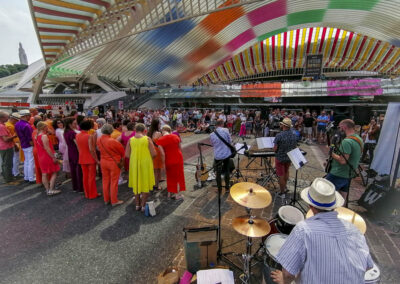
(16, 26)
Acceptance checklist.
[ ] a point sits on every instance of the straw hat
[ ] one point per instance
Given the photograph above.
(322, 195)
(286, 122)
(15, 115)
(24, 112)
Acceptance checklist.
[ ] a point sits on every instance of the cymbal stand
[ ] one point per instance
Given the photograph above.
(247, 257)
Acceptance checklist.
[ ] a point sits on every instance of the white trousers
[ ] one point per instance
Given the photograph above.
(29, 164)
(15, 169)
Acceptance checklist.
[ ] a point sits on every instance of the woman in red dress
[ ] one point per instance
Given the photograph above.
(171, 146)
(47, 159)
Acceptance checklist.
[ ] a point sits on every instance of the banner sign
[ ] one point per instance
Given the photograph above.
(357, 87)
(313, 65)
(14, 104)
(261, 90)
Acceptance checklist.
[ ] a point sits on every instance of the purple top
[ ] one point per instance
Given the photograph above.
(24, 131)
(125, 139)
(73, 154)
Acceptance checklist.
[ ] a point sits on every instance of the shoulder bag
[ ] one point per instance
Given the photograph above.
(231, 147)
(120, 164)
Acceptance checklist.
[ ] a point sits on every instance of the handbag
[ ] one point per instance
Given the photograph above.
(120, 164)
(231, 147)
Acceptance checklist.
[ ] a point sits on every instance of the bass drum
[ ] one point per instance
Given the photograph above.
(287, 217)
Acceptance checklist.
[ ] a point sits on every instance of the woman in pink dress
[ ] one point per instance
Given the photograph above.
(47, 159)
(124, 138)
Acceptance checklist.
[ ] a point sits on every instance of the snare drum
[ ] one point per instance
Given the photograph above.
(272, 245)
(287, 217)
(373, 275)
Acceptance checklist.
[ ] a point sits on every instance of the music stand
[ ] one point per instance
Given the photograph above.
(240, 148)
(298, 160)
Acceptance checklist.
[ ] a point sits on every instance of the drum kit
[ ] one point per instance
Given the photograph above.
(273, 233)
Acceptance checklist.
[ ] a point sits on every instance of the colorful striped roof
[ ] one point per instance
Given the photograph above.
(341, 50)
(178, 41)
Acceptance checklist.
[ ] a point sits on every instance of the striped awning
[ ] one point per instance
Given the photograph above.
(178, 41)
(60, 22)
(341, 50)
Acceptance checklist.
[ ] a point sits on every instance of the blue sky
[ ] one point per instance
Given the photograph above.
(16, 26)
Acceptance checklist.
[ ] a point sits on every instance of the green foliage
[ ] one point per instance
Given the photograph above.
(7, 70)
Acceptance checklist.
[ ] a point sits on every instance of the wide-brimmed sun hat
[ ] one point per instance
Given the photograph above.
(15, 115)
(24, 112)
(322, 195)
(286, 122)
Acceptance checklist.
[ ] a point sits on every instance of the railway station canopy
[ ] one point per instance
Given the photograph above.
(213, 41)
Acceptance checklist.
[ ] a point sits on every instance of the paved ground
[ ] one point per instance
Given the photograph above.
(67, 239)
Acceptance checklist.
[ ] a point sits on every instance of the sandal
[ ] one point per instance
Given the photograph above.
(119, 202)
(138, 208)
(53, 192)
(143, 209)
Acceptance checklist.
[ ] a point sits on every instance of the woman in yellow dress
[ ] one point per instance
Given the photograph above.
(140, 150)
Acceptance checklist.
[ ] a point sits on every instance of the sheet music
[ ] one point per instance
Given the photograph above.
(223, 276)
(265, 142)
(240, 145)
(297, 158)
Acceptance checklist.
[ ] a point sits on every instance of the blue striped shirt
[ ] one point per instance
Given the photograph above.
(326, 249)
(221, 151)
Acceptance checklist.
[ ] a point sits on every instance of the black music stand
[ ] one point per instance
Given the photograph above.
(298, 160)
(237, 173)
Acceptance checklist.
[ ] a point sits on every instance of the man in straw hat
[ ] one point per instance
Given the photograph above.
(323, 248)
(285, 141)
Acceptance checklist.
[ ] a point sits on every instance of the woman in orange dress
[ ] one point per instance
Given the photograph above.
(111, 152)
(171, 145)
(47, 159)
(87, 159)
(158, 161)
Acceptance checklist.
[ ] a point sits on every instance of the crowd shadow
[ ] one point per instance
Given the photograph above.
(131, 222)
(33, 223)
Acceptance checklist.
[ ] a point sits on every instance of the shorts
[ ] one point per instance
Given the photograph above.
(321, 128)
(308, 130)
(341, 183)
(281, 167)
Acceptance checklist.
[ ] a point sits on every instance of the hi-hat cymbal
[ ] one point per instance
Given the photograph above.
(254, 228)
(348, 215)
(250, 195)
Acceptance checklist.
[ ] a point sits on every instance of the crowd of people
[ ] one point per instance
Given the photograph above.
(85, 147)
(142, 146)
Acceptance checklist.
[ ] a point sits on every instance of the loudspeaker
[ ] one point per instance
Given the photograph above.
(362, 115)
(101, 109)
(227, 109)
(80, 107)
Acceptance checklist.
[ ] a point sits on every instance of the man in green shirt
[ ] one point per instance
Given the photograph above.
(350, 150)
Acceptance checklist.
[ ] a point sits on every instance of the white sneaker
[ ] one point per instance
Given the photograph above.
(282, 195)
(122, 181)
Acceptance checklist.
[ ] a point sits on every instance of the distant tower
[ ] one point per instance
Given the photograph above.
(22, 55)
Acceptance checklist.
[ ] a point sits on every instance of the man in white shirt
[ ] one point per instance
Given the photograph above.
(164, 119)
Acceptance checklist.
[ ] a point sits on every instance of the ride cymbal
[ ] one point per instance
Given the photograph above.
(251, 195)
(253, 228)
(348, 215)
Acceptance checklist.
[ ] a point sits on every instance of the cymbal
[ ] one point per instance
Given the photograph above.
(256, 227)
(348, 215)
(251, 195)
